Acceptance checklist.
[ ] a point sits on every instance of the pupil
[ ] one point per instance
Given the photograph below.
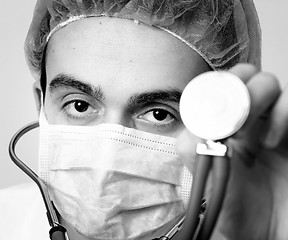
(81, 106)
(160, 115)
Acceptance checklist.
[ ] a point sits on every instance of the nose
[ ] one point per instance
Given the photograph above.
(118, 116)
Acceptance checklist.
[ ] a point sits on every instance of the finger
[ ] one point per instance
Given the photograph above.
(264, 89)
(278, 122)
(244, 71)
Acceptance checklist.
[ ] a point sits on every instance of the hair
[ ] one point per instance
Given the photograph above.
(215, 29)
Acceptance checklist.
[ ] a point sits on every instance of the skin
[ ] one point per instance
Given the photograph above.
(119, 66)
(120, 61)
(106, 77)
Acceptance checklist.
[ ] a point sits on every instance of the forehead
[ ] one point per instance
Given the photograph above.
(109, 47)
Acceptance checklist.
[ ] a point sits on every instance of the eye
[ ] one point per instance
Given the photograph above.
(81, 106)
(158, 115)
(79, 109)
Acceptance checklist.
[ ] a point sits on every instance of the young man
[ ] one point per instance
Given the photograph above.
(109, 76)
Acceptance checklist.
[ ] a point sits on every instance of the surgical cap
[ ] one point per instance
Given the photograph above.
(223, 32)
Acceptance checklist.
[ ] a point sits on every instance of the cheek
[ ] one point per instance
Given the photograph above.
(52, 111)
(49, 111)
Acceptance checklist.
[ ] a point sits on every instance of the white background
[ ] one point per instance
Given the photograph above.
(16, 99)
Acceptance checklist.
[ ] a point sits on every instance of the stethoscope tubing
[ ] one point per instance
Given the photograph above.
(190, 228)
(219, 166)
(57, 231)
(220, 177)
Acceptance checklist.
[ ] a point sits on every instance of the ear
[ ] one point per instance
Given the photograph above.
(37, 95)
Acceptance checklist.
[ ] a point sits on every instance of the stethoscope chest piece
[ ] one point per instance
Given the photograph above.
(214, 105)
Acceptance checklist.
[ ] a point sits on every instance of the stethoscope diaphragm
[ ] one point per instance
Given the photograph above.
(214, 105)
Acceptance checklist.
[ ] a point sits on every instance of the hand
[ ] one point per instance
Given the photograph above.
(256, 202)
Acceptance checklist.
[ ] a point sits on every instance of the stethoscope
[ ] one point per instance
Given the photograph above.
(213, 106)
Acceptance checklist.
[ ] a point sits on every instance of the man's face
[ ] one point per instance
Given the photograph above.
(109, 70)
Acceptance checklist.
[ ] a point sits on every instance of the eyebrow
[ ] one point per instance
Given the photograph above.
(67, 81)
(171, 95)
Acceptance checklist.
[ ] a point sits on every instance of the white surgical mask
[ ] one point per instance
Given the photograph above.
(112, 182)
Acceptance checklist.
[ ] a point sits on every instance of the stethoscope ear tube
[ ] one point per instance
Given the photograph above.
(57, 231)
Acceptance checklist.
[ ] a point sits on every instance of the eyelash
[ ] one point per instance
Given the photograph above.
(160, 124)
(144, 119)
(71, 116)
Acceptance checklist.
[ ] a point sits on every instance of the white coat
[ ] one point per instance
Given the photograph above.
(23, 214)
